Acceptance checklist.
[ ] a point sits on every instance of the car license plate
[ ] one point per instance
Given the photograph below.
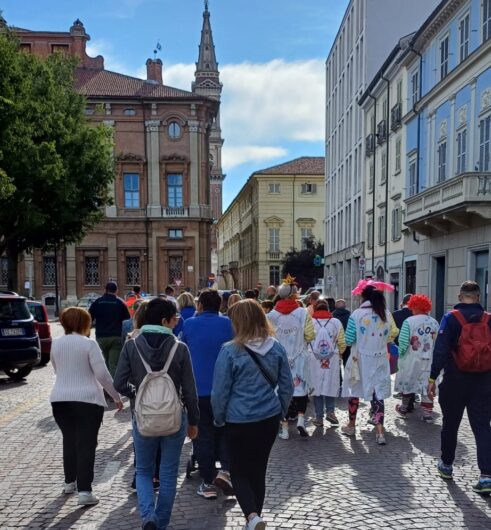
(12, 332)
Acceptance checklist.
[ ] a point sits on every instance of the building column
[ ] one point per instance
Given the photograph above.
(111, 211)
(112, 258)
(194, 131)
(154, 208)
(71, 274)
(451, 140)
(472, 141)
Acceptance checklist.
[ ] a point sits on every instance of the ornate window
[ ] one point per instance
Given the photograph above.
(175, 268)
(442, 161)
(396, 223)
(484, 143)
(92, 276)
(274, 239)
(4, 271)
(461, 151)
(486, 20)
(131, 182)
(444, 57)
(174, 130)
(305, 235)
(132, 270)
(412, 176)
(174, 191)
(464, 37)
(49, 270)
(175, 233)
(129, 112)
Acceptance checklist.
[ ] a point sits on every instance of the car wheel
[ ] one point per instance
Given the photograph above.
(44, 359)
(17, 374)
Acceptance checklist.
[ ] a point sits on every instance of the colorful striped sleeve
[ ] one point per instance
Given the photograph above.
(404, 337)
(394, 330)
(350, 334)
(309, 330)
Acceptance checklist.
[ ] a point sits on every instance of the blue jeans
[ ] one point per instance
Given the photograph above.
(146, 452)
(320, 402)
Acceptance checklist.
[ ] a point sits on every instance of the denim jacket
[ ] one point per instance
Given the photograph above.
(241, 393)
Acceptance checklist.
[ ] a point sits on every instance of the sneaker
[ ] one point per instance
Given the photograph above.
(284, 434)
(380, 439)
(223, 481)
(445, 471)
(483, 486)
(332, 419)
(301, 427)
(69, 487)
(348, 431)
(292, 418)
(401, 412)
(256, 523)
(87, 498)
(208, 491)
(318, 422)
(149, 525)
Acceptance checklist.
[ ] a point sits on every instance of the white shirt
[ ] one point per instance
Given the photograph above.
(81, 372)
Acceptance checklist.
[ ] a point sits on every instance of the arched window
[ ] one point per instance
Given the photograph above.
(174, 130)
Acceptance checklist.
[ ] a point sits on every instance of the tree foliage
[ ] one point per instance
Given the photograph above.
(55, 167)
(300, 264)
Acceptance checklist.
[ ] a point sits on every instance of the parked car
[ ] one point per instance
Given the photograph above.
(20, 348)
(40, 314)
(86, 301)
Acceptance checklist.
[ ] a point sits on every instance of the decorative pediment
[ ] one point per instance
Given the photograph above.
(462, 116)
(174, 157)
(305, 222)
(274, 221)
(129, 157)
(486, 99)
(443, 129)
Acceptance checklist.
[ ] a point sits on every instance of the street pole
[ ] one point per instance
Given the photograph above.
(57, 306)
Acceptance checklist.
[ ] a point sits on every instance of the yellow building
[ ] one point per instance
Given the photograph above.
(277, 209)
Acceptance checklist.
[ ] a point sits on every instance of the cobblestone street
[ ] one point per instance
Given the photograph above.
(326, 481)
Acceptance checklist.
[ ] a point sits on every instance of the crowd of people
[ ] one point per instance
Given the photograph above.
(233, 373)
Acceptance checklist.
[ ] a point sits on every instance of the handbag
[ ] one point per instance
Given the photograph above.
(266, 375)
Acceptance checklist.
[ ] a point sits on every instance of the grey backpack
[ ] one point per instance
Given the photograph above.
(158, 409)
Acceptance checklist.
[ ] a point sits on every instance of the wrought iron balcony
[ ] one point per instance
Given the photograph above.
(381, 132)
(455, 204)
(370, 144)
(396, 116)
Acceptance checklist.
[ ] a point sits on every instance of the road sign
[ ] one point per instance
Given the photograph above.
(362, 262)
(317, 261)
(330, 280)
(177, 281)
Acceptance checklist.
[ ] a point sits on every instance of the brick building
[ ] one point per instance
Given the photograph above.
(168, 158)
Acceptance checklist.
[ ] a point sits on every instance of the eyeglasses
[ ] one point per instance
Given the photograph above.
(177, 315)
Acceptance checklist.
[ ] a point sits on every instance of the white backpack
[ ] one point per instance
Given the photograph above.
(158, 409)
(323, 346)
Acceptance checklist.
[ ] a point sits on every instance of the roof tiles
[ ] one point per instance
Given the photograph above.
(305, 165)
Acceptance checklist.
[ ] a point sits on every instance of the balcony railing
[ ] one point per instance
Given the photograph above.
(274, 255)
(370, 144)
(450, 205)
(381, 132)
(396, 116)
(175, 212)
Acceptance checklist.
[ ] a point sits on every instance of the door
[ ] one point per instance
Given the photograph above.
(439, 287)
(410, 277)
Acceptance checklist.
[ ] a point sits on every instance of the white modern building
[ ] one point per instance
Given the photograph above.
(367, 34)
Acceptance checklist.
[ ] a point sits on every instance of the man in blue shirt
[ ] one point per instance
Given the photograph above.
(205, 335)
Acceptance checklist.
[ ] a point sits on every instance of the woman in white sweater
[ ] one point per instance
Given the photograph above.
(78, 399)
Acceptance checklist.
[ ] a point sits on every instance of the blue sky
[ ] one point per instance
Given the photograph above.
(271, 55)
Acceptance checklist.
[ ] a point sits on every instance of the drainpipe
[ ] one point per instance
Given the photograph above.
(147, 221)
(374, 99)
(386, 174)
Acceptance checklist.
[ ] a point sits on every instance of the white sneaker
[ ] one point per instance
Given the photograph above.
(284, 434)
(69, 487)
(380, 439)
(87, 498)
(301, 426)
(256, 523)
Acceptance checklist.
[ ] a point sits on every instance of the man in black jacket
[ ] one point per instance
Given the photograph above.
(462, 390)
(343, 314)
(401, 314)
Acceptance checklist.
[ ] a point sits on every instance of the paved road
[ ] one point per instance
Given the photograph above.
(326, 481)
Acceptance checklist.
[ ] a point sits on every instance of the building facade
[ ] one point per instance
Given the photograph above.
(167, 148)
(448, 151)
(278, 209)
(361, 46)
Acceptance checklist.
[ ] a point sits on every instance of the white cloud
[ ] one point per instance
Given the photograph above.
(111, 60)
(237, 155)
(263, 105)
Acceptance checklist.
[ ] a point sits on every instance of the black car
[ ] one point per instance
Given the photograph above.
(20, 348)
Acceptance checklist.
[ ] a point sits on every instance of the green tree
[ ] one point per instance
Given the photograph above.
(300, 264)
(56, 167)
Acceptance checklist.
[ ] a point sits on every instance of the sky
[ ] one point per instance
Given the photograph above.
(271, 56)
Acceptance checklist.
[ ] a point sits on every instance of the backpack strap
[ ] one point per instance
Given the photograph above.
(459, 316)
(263, 370)
(320, 325)
(167, 363)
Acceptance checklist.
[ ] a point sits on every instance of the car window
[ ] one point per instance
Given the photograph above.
(14, 310)
(37, 312)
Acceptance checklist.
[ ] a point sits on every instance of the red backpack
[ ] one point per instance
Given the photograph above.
(473, 353)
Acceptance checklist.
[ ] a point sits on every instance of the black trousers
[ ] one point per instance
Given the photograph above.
(211, 444)
(250, 446)
(460, 391)
(79, 424)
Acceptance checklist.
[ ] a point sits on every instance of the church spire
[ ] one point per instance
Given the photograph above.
(207, 62)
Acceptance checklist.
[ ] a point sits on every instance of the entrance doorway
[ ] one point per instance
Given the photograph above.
(410, 277)
(439, 286)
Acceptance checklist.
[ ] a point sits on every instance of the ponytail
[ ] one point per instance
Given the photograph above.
(377, 300)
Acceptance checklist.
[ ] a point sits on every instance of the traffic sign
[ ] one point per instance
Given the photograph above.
(362, 262)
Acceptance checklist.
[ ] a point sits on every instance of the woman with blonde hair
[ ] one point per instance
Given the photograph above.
(252, 388)
(78, 400)
(187, 308)
(233, 299)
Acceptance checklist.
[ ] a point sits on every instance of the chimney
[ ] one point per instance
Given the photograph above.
(154, 71)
